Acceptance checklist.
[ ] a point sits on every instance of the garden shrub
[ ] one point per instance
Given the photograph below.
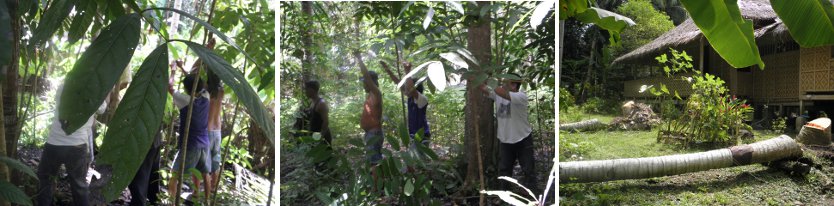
(709, 115)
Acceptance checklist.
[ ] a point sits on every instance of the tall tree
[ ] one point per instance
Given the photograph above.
(480, 127)
(307, 40)
(673, 8)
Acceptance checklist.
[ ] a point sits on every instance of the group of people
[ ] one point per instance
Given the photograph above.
(514, 130)
(201, 152)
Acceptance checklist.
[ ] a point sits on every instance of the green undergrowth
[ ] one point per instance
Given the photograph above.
(745, 185)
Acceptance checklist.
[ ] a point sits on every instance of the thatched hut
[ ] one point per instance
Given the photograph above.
(794, 77)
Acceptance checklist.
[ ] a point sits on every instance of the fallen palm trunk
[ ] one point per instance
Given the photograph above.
(817, 132)
(778, 148)
(584, 125)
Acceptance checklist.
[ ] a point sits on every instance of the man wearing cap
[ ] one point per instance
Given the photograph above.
(371, 119)
(514, 130)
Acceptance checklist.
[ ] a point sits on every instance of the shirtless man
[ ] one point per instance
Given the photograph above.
(371, 120)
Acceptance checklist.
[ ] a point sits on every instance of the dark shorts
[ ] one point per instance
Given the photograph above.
(196, 157)
(374, 149)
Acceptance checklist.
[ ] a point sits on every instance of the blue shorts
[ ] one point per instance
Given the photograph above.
(214, 153)
(373, 149)
(196, 157)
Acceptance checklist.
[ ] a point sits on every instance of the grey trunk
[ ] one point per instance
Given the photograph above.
(778, 148)
(584, 125)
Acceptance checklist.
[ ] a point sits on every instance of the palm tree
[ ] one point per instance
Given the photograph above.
(673, 8)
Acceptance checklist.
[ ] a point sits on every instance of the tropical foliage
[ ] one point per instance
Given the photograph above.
(88, 45)
(319, 43)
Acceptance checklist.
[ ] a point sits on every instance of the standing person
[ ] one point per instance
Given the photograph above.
(215, 124)
(145, 184)
(72, 151)
(318, 112)
(371, 119)
(417, 105)
(197, 154)
(514, 130)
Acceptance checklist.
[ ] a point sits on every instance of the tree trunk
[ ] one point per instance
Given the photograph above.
(583, 87)
(11, 133)
(307, 40)
(584, 125)
(778, 148)
(477, 105)
(817, 132)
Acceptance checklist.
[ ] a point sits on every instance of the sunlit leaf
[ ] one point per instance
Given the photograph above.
(136, 122)
(607, 20)
(413, 72)
(437, 75)
(409, 187)
(810, 22)
(507, 197)
(540, 13)
(729, 34)
(99, 68)
(455, 59)
(428, 18)
(235, 80)
(456, 6)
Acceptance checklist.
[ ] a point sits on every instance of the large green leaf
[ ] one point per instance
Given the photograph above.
(810, 22)
(51, 19)
(136, 121)
(234, 79)
(607, 20)
(215, 31)
(5, 36)
(82, 20)
(17, 165)
(99, 68)
(729, 34)
(13, 194)
(570, 8)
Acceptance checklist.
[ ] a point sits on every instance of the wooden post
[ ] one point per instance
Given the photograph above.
(701, 53)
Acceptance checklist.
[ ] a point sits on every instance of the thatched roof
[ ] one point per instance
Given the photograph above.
(776, 33)
(687, 33)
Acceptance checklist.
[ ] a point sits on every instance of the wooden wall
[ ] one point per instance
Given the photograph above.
(815, 70)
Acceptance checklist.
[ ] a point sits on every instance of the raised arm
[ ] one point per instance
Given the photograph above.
(504, 93)
(388, 71)
(368, 80)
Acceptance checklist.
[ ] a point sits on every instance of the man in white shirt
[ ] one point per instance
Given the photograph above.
(514, 130)
(73, 151)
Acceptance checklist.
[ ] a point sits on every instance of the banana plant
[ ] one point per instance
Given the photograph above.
(139, 115)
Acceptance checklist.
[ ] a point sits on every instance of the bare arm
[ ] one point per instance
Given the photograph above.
(389, 72)
(501, 92)
(368, 81)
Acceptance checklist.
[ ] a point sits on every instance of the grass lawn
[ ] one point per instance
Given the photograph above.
(744, 185)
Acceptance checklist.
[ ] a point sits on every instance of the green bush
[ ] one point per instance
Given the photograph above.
(596, 105)
(709, 115)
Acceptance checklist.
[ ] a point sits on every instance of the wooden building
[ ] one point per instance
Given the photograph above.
(794, 79)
